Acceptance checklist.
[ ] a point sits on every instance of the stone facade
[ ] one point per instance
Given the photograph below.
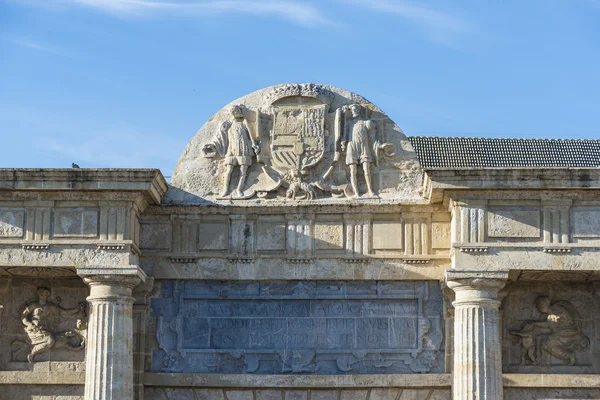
(306, 249)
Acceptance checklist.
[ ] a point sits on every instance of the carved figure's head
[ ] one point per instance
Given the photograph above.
(237, 111)
(355, 110)
(225, 125)
(81, 324)
(43, 293)
(543, 304)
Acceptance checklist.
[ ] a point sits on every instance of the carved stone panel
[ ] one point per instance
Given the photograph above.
(44, 319)
(514, 223)
(76, 223)
(11, 223)
(387, 235)
(299, 327)
(586, 222)
(551, 328)
(297, 142)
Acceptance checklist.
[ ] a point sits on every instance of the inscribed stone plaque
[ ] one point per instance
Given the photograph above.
(299, 327)
(514, 223)
(76, 223)
(11, 223)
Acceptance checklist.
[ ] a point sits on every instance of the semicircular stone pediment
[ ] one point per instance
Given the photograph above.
(297, 143)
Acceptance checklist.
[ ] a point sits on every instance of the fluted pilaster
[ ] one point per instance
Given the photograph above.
(109, 349)
(477, 368)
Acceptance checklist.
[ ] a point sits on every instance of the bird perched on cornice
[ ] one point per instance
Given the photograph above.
(73, 165)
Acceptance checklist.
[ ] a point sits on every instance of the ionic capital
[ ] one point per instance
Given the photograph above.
(475, 286)
(112, 283)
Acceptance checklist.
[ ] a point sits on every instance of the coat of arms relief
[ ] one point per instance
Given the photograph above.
(300, 147)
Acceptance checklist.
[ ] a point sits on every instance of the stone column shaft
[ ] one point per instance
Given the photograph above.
(109, 355)
(477, 372)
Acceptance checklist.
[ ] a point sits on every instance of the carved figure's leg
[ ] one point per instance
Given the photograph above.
(41, 347)
(226, 180)
(240, 186)
(353, 182)
(367, 168)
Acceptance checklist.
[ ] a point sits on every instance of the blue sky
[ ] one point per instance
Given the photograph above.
(127, 83)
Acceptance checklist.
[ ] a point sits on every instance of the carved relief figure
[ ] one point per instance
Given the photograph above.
(362, 147)
(559, 334)
(234, 142)
(36, 318)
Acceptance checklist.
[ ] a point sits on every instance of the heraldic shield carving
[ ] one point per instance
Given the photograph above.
(298, 136)
(298, 142)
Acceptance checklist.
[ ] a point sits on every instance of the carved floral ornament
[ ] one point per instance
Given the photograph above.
(298, 142)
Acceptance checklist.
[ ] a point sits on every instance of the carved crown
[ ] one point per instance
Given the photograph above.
(299, 89)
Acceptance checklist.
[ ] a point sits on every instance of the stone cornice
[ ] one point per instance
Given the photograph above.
(435, 182)
(148, 182)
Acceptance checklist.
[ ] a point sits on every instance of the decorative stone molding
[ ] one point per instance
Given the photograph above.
(357, 260)
(477, 351)
(36, 246)
(241, 260)
(184, 260)
(111, 247)
(416, 260)
(474, 249)
(300, 260)
(109, 357)
(557, 250)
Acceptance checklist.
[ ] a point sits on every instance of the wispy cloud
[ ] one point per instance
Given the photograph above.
(300, 13)
(438, 24)
(31, 44)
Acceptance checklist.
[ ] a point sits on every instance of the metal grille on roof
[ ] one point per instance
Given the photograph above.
(469, 153)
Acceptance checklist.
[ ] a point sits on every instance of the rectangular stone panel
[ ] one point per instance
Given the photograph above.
(270, 234)
(298, 327)
(440, 235)
(514, 223)
(387, 235)
(76, 223)
(586, 222)
(329, 235)
(214, 236)
(156, 236)
(12, 223)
